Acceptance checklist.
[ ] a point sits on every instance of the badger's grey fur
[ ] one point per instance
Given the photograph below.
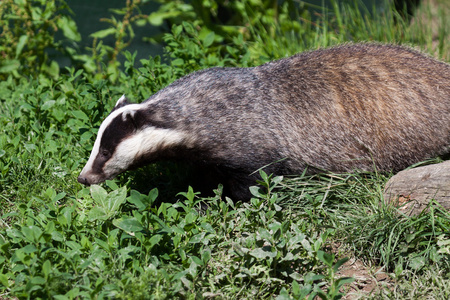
(347, 108)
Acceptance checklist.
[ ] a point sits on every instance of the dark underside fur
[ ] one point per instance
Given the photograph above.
(352, 107)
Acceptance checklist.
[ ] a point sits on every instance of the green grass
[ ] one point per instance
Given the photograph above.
(147, 235)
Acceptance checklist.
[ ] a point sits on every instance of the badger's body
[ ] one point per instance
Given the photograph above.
(352, 107)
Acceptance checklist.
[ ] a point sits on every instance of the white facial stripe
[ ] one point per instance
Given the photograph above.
(145, 141)
(101, 130)
(151, 138)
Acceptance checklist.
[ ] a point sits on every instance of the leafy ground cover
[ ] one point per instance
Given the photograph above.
(147, 235)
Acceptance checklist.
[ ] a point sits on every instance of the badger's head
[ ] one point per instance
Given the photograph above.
(127, 138)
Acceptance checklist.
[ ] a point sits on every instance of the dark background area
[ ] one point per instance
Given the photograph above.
(87, 15)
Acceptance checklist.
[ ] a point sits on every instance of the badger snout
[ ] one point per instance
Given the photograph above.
(89, 178)
(83, 180)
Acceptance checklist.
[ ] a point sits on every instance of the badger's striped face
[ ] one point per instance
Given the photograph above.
(124, 139)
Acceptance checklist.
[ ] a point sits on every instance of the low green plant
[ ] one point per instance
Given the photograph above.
(431, 283)
(195, 247)
(45, 117)
(400, 242)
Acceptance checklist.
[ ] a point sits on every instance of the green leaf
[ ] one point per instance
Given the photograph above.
(136, 198)
(38, 280)
(58, 114)
(152, 195)
(32, 233)
(255, 191)
(197, 260)
(128, 224)
(69, 28)
(339, 263)
(261, 254)
(80, 115)
(209, 39)
(295, 288)
(198, 238)
(263, 175)
(398, 270)
(284, 295)
(141, 201)
(289, 257)
(22, 42)
(9, 65)
(97, 213)
(29, 249)
(157, 18)
(344, 280)
(107, 205)
(206, 256)
(111, 184)
(48, 104)
(66, 214)
(189, 28)
(103, 33)
(325, 258)
(46, 268)
(176, 240)
(276, 180)
(177, 62)
(116, 198)
(98, 194)
(190, 217)
(30, 147)
(177, 30)
(265, 234)
(417, 262)
(155, 239)
(59, 196)
(52, 69)
(208, 228)
(128, 252)
(85, 137)
(189, 195)
(4, 280)
(4, 246)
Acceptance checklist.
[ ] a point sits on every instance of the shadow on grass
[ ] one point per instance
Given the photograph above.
(171, 178)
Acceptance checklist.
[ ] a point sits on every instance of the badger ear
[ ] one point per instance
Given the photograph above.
(129, 115)
(121, 102)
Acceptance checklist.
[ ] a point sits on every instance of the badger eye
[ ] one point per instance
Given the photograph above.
(104, 153)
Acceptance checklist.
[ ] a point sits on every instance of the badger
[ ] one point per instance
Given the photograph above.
(354, 107)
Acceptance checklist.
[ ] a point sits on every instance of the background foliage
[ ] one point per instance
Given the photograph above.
(135, 236)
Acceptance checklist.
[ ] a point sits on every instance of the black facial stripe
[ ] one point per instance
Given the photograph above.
(98, 164)
(116, 132)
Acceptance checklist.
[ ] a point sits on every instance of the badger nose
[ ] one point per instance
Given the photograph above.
(83, 180)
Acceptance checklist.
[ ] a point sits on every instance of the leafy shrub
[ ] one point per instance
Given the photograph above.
(27, 31)
(102, 59)
(229, 19)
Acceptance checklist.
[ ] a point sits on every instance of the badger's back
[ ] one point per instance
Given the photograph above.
(363, 106)
(339, 109)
